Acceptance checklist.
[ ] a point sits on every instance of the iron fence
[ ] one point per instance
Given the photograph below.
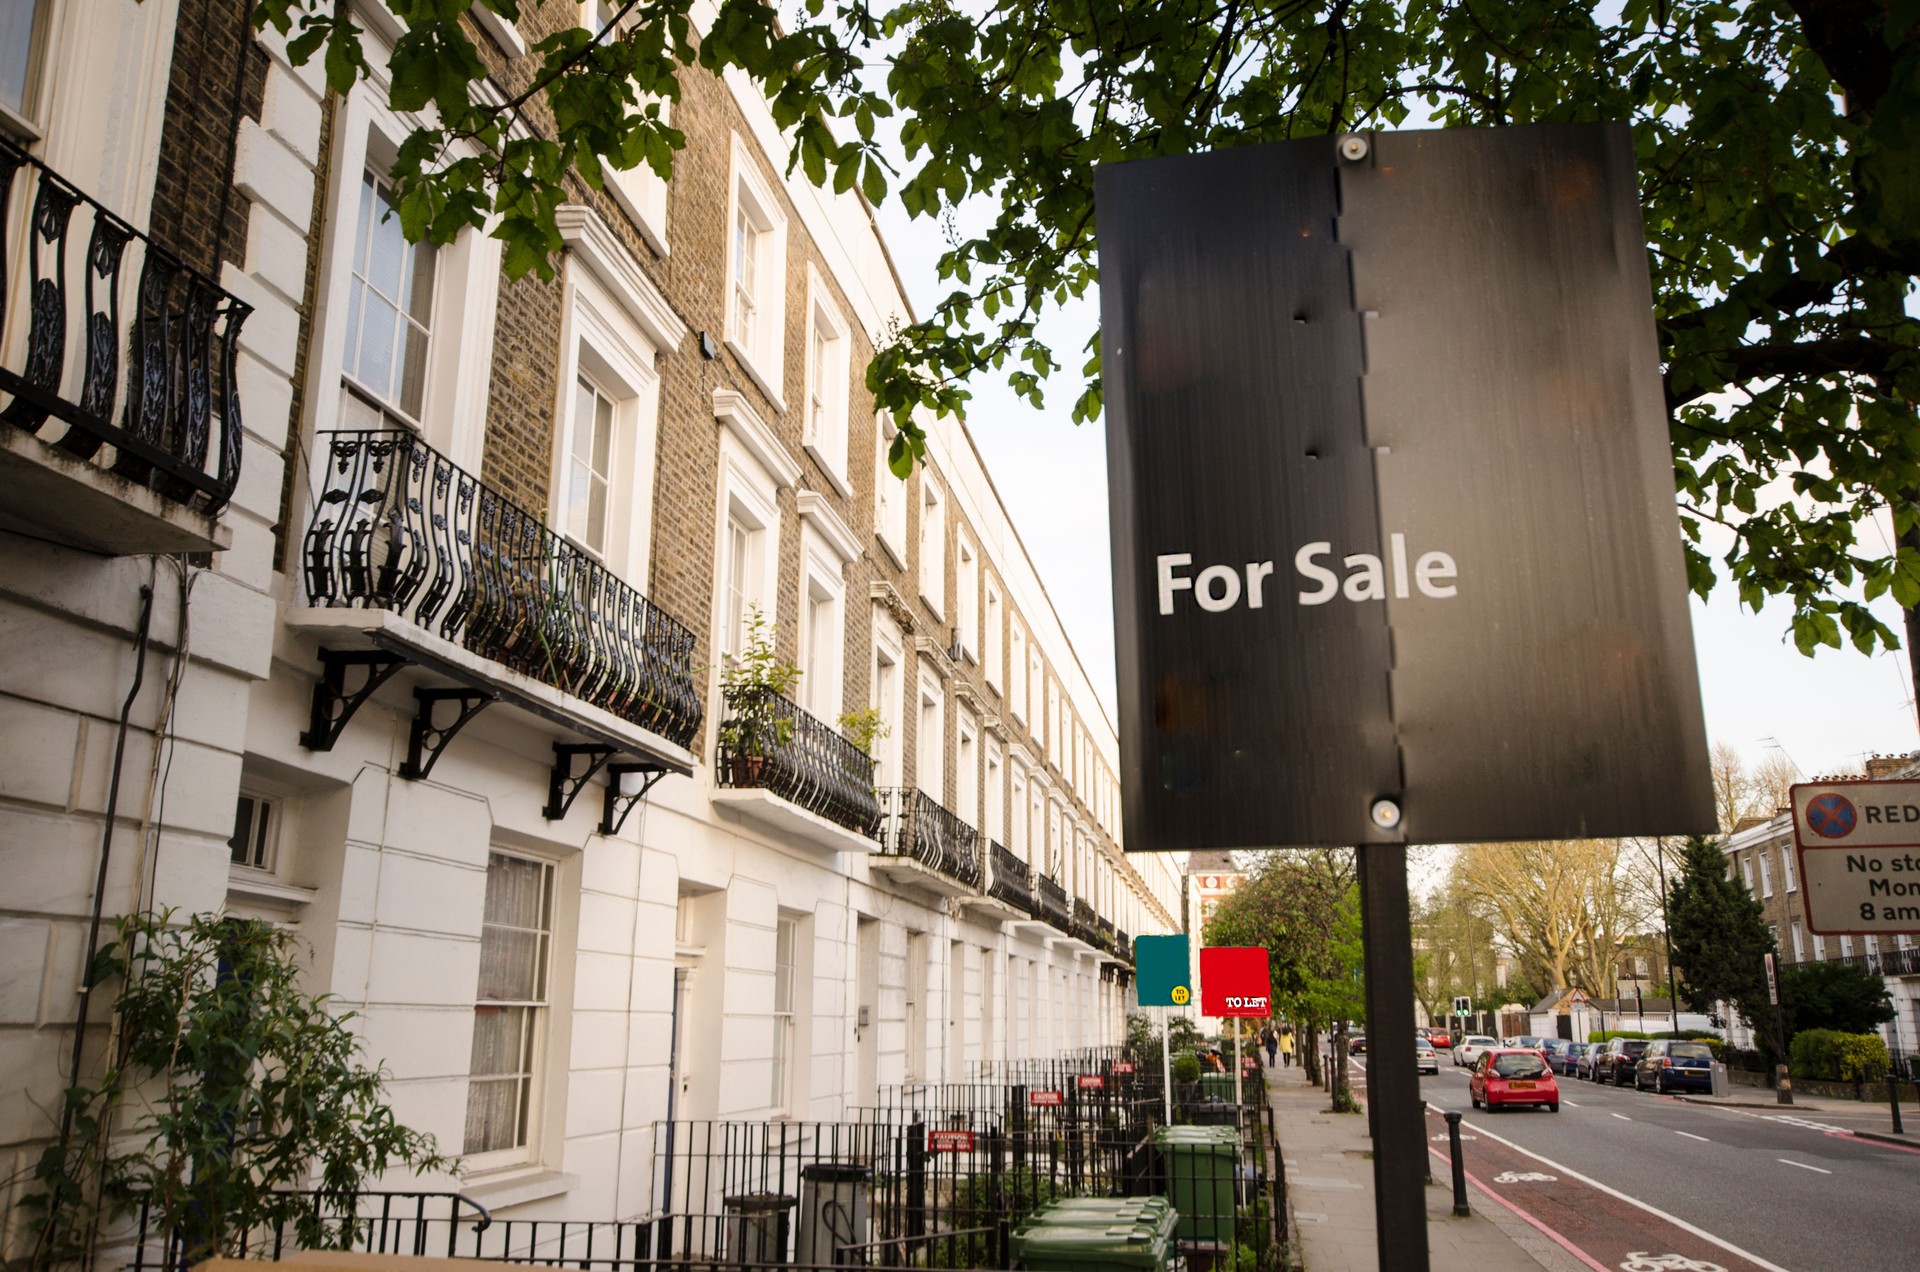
(917, 828)
(768, 741)
(400, 527)
(167, 415)
(1049, 902)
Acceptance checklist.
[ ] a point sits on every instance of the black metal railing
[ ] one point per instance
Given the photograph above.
(1895, 962)
(918, 828)
(1103, 934)
(1083, 924)
(1123, 946)
(415, 1223)
(398, 526)
(768, 742)
(1009, 880)
(1050, 902)
(156, 342)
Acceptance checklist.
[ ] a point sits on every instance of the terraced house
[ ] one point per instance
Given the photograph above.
(352, 586)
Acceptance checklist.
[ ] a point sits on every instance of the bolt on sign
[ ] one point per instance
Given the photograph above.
(1235, 983)
(1859, 850)
(1395, 550)
(1162, 971)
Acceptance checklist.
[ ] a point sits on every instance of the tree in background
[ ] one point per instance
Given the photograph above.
(1778, 147)
(1303, 908)
(1457, 945)
(1719, 940)
(1564, 907)
(1844, 997)
(1742, 790)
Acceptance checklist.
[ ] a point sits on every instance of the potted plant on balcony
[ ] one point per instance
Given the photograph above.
(863, 728)
(755, 682)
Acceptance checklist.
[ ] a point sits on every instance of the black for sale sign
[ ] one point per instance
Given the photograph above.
(1395, 547)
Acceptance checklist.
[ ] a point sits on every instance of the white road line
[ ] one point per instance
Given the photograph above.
(1802, 1165)
(1622, 1116)
(1569, 1173)
(1690, 1135)
(1570, 1104)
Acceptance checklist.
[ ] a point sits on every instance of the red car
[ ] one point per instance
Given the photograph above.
(1513, 1075)
(1441, 1039)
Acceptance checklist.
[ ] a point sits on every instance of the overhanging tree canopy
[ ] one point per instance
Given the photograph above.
(1778, 142)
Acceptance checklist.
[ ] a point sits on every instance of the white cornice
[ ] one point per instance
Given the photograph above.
(1019, 754)
(819, 514)
(932, 655)
(733, 412)
(599, 250)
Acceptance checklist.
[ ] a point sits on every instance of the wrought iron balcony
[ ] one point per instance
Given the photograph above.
(768, 742)
(1084, 923)
(1894, 962)
(400, 527)
(918, 829)
(1009, 880)
(1103, 932)
(1123, 946)
(128, 359)
(1050, 902)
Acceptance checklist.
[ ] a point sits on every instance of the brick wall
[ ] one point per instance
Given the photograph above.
(219, 76)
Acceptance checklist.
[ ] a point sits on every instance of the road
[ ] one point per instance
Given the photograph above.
(1739, 1189)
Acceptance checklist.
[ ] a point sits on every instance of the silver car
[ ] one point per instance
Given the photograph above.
(1467, 1054)
(1425, 1060)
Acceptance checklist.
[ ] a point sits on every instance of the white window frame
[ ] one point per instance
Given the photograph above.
(1786, 870)
(993, 614)
(1054, 754)
(753, 470)
(466, 293)
(640, 191)
(823, 405)
(783, 1013)
(759, 350)
(822, 652)
(1799, 945)
(1746, 871)
(263, 830)
(1036, 692)
(609, 336)
(993, 807)
(23, 123)
(544, 1030)
(933, 545)
(966, 768)
(1017, 669)
(1766, 875)
(889, 496)
(1018, 817)
(930, 743)
(966, 601)
(889, 696)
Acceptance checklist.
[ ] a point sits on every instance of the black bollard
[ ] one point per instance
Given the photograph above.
(1893, 1096)
(1460, 1208)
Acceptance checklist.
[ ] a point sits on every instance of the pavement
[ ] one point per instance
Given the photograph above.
(1329, 1164)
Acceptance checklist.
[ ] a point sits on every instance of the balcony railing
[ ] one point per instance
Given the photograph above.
(1894, 962)
(923, 831)
(400, 527)
(155, 342)
(1084, 924)
(1010, 880)
(769, 742)
(1123, 946)
(1050, 902)
(1103, 931)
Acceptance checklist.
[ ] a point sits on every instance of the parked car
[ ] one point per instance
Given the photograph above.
(1668, 1065)
(1513, 1075)
(1357, 1045)
(1617, 1060)
(1587, 1063)
(1471, 1048)
(1441, 1039)
(1566, 1057)
(1425, 1060)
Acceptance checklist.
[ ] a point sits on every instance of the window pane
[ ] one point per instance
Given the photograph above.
(498, 1034)
(516, 891)
(509, 965)
(496, 1115)
(372, 362)
(16, 51)
(239, 845)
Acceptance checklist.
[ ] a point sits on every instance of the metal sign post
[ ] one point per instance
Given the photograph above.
(1393, 1078)
(1166, 1063)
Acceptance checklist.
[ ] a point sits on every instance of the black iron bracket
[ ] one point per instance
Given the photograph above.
(565, 785)
(333, 703)
(428, 740)
(613, 814)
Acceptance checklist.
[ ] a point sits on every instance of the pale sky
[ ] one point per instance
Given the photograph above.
(1827, 712)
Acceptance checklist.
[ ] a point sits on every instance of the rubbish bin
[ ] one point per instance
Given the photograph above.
(757, 1227)
(1058, 1247)
(836, 1201)
(1099, 1212)
(1217, 1086)
(1719, 1079)
(1199, 1166)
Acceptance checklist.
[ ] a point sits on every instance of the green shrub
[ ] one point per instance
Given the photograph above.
(1186, 1067)
(1608, 1035)
(1832, 1056)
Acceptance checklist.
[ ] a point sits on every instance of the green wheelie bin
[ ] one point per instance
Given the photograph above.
(1071, 1247)
(1198, 1165)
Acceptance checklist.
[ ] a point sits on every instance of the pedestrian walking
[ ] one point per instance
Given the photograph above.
(1286, 1048)
(1271, 1038)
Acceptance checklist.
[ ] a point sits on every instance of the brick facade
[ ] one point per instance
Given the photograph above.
(219, 77)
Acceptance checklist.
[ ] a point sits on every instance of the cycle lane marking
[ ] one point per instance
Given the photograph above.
(1803, 1166)
(1550, 1234)
(1690, 1135)
(1568, 1173)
